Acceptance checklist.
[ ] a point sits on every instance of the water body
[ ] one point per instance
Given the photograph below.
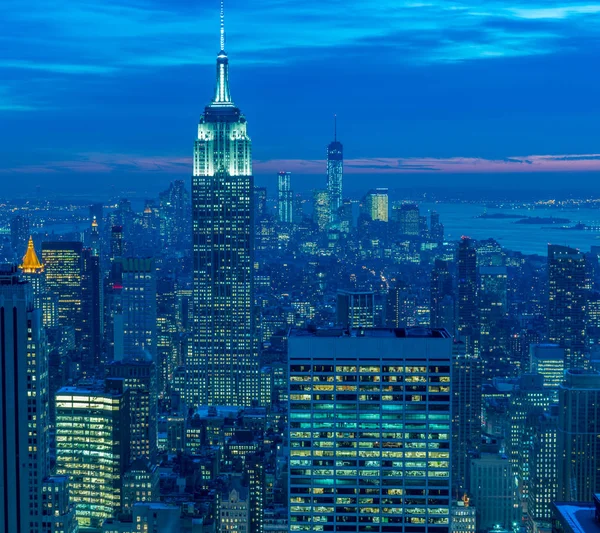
(460, 219)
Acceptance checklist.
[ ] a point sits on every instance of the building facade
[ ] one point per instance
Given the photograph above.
(370, 430)
(285, 207)
(223, 369)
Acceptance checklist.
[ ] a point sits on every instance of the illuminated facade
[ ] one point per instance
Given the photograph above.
(24, 444)
(468, 322)
(375, 205)
(335, 174)
(567, 302)
(92, 448)
(356, 309)
(58, 514)
(63, 264)
(234, 514)
(285, 206)
(223, 369)
(140, 379)
(370, 431)
(549, 361)
(321, 209)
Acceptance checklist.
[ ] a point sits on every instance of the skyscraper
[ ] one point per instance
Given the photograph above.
(370, 430)
(138, 300)
(32, 271)
(321, 208)
(355, 309)
(223, 368)
(468, 323)
(23, 406)
(63, 263)
(566, 302)
(92, 307)
(579, 436)
(19, 232)
(441, 305)
(285, 208)
(92, 447)
(335, 172)
(375, 205)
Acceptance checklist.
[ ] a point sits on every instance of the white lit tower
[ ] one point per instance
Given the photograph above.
(223, 369)
(335, 172)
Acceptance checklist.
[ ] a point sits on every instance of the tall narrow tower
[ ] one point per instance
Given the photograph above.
(223, 369)
(335, 172)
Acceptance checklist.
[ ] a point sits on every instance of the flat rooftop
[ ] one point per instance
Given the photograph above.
(427, 333)
(576, 517)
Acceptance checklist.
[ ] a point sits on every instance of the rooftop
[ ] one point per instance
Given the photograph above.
(576, 517)
(428, 333)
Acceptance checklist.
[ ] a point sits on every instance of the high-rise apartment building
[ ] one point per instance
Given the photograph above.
(356, 309)
(369, 433)
(24, 443)
(567, 302)
(92, 447)
(285, 207)
(335, 173)
(138, 303)
(579, 436)
(92, 311)
(223, 369)
(468, 322)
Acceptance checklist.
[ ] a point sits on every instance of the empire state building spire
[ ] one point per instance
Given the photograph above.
(222, 94)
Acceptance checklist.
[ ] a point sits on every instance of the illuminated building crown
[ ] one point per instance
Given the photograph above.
(31, 264)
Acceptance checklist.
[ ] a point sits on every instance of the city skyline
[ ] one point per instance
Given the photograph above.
(486, 97)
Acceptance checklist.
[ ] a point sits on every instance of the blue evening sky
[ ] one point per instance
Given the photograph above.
(110, 91)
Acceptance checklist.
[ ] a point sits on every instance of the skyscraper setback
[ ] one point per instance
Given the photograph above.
(223, 369)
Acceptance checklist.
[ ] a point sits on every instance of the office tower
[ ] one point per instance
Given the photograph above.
(95, 239)
(97, 213)
(140, 379)
(92, 311)
(406, 218)
(566, 302)
(401, 306)
(493, 492)
(493, 307)
(543, 472)
(63, 263)
(285, 197)
(579, 436)
(19, 233)
(374, 205)
(466, 415)
(345, 216)
(335, 172)
(549, 361)
(321, 209)
(140, 484)
(468, 322)
(223, 369)
(138, 301)
(369, 430)
(436, 228)
(58, 513)
(32, 271)
(24, 444)
(92, 447)
(174, 204)
(116, 242)
(530, 400)
(355, 309)
(441, 303)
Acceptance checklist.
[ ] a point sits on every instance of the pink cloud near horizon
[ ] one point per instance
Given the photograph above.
(109, 163)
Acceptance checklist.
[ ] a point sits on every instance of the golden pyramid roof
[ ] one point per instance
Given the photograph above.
(31, 264)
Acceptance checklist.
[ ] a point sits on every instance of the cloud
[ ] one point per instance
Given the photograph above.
(104, 36)
(99, 163)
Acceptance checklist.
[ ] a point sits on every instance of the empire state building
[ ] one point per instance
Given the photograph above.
(223, 367)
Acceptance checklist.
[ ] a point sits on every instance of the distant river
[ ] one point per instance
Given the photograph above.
(460, 219)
